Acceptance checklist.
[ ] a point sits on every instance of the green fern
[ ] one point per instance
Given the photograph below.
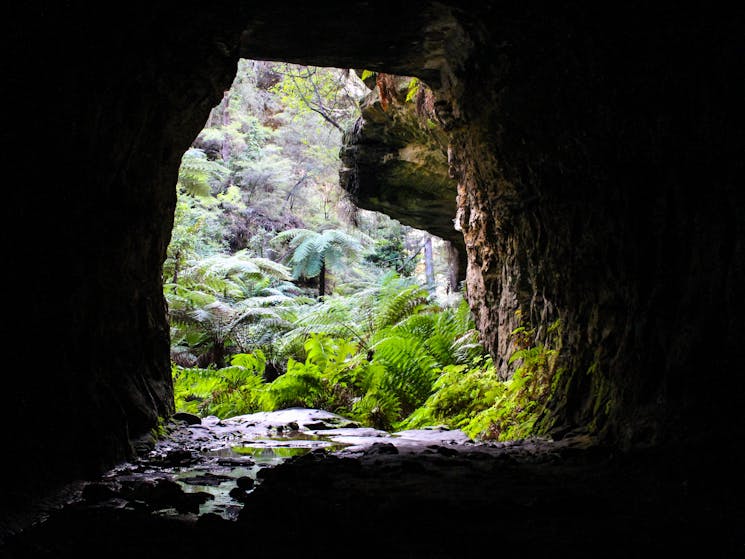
(222, 392)
(461, 393)
(380, 409)
(301, 386)
(311, 253)
(412, 89)
(231, 302)
(197, 173)
(516, 411)
(395, 302)
(410, 369)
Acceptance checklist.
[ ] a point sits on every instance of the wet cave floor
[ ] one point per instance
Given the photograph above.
(313, 484)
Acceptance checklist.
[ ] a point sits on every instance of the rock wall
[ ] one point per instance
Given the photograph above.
(599, 166)
(394, 160)
(101, 118)
(600, 184)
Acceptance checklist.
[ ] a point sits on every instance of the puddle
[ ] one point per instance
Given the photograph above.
(244, 460)
(222, 503)
(271, 454)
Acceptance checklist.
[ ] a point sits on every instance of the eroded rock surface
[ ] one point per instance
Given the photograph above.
(314, 483)
(395, 160)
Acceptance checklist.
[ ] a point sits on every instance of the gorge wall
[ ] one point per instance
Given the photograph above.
(394, 160)
(598, 185)
(597, 160)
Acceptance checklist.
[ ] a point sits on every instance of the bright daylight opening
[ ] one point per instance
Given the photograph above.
(283, 295)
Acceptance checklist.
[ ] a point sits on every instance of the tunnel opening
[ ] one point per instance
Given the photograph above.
(281, 291)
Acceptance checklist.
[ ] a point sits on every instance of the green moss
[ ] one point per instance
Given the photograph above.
(601, 390)
(160, 430)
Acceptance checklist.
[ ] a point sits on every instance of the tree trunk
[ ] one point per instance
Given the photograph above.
(453, 257)
(176, 266)
(429, 266)
(322, 281)
(218, 354)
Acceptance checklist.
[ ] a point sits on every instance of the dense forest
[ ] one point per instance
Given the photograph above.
(282, 293)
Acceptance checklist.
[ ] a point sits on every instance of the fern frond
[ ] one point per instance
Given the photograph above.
(301, 386)
(378, 408)
(398, 306)
(196, 173)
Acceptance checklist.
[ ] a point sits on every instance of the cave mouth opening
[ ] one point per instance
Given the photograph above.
(281, 291)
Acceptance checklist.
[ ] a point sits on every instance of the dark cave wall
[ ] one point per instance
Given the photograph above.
(104, 131)
(601, 177)
(599, 162)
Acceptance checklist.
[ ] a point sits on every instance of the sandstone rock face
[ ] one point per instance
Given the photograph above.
(580, 163)
(598, 168)
(395, 161)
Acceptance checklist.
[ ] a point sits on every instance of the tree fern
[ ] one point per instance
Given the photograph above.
(222, 294)
(311, 253)
(230, 273)
(197, 174)
(335, 316)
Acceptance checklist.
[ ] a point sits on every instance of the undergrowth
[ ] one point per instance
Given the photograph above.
(404, 377)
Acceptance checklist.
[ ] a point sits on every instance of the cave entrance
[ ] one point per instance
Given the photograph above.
(282, 292)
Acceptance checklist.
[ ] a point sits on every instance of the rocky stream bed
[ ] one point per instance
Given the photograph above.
(311, 483)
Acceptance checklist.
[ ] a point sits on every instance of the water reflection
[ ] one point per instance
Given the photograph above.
(228, 465)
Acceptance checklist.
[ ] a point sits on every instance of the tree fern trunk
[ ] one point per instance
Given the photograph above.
(322, 281)
(218, 354)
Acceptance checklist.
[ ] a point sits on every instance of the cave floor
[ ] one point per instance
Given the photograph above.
(312, 483)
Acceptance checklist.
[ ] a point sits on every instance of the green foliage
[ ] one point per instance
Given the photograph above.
(412, 89)
(197, 232)
(197, 174)
(223, 300)
(418, 344)
(263, 175)
(395, 303)
(390, 253)
(525, 395)
(357, 316)
(471, 396)
(410, 368)
(224, 392)
(378, 408)
(330, 377)
(385, 357)
(323, 91)
(461, 394)
(311, 253)
(403, 381)
(301, 386)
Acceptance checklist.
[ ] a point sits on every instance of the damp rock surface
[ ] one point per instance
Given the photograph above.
(304, 481)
